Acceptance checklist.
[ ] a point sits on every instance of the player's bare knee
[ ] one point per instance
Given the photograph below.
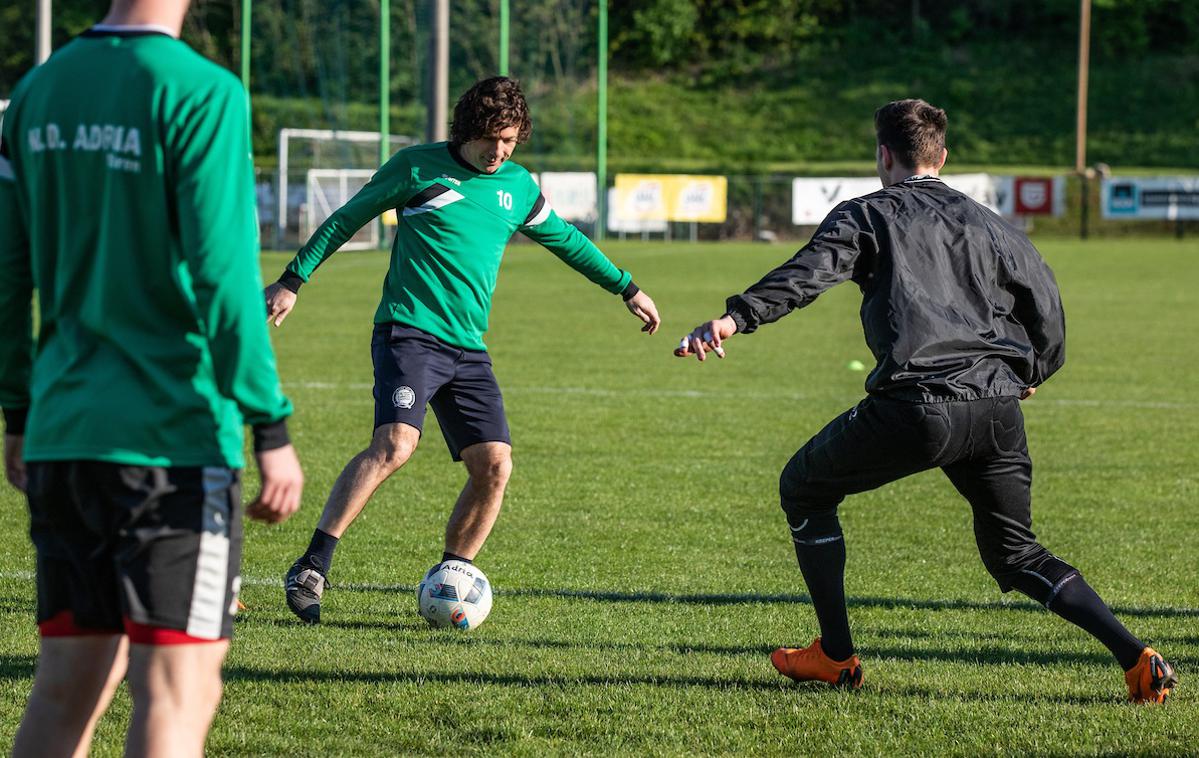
(213, 690)
(391, 452)
(491, 472)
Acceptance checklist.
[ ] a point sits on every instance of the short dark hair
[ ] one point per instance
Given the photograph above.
(913, 130)
(488, 108)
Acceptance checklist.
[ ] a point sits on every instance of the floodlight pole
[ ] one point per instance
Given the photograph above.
(439, 71)
(503, 37)
(384, 81)
(43, 31)
(1080, 152)
(601, 139)
(384, 93)
(247, 13)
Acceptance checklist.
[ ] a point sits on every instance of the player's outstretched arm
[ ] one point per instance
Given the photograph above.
(390, 187)
(708, 336)
(544, 226)
(642, 306)
(279, 302)
(16, 322)
(282, 485)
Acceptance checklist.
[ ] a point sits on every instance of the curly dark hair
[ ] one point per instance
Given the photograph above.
(488, 108)
(913, 130)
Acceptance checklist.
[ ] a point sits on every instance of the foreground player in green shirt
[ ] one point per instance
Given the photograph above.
(127, 202)
(459, 203)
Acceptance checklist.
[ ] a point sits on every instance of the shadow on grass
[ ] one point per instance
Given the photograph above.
(999, 656)
(416, 625)
(17, 605)
(716, 599)
(17, 667)
(285, 676)
(991, 655)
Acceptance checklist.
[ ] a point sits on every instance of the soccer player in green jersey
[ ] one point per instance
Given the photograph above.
(459, 203)
(127, 202)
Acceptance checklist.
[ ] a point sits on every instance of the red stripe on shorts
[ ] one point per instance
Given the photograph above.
(62, 624)
(144, 634)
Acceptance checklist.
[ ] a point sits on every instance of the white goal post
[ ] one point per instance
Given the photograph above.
(328, 180)
(327, 190)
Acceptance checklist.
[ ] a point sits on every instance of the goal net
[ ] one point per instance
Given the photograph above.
(326, 190)
(318, 171)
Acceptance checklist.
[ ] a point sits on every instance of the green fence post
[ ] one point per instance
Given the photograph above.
(503, 37)
(601, 147)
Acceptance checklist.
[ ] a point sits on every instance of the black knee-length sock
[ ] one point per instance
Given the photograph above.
(1077, 603)
(821, 554)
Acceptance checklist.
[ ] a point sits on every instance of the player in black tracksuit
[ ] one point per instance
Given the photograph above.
(965, 321)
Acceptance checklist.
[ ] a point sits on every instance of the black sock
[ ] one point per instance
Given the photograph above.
(1077, 603)
(320, 551)
(448, 556)
(820, 548)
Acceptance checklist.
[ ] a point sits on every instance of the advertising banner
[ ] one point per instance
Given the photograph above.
(629, 225)
(1034, 196)
(812, 199)
(571, 194)
(671, 197)
(1159, 197)
(982, 188)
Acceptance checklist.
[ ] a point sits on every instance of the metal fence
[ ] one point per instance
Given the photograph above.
(759, 209)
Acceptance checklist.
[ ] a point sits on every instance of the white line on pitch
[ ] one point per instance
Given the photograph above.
(791, 396)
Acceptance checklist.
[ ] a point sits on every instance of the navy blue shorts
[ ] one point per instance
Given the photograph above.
(414, 369)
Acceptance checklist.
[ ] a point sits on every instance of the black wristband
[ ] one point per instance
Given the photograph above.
(14, 420)
(738, 319)
(270, 436)
(291, 282)
(630, 291)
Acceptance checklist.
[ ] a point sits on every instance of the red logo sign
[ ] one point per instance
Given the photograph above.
(1034, 196)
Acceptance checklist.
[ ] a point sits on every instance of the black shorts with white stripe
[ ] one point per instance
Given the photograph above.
(158, 547)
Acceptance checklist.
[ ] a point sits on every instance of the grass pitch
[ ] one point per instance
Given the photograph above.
(642, 567)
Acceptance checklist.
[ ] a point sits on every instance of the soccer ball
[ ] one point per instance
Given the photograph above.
(454, 594)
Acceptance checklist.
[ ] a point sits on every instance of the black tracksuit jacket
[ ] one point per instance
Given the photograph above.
(957, 304)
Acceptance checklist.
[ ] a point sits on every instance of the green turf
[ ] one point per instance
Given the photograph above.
(642, 567)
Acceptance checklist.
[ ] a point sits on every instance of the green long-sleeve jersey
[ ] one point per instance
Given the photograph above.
(454, 223)
(127, 202)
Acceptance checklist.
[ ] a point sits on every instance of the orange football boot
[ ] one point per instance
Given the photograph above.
(1151, 680)
(811, 664)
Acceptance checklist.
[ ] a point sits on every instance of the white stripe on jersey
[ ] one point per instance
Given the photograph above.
(6, 170)
(208, 608)
(442, 200)
(118, 28)
(542, 215)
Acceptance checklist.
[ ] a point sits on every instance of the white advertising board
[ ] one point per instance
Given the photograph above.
(1157, 197)
(619, 223)
(979, 187)
(813, 198)
(570, 193)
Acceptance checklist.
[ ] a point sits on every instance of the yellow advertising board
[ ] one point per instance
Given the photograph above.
(671, 197)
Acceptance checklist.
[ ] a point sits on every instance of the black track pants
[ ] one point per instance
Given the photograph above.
(979, 444)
